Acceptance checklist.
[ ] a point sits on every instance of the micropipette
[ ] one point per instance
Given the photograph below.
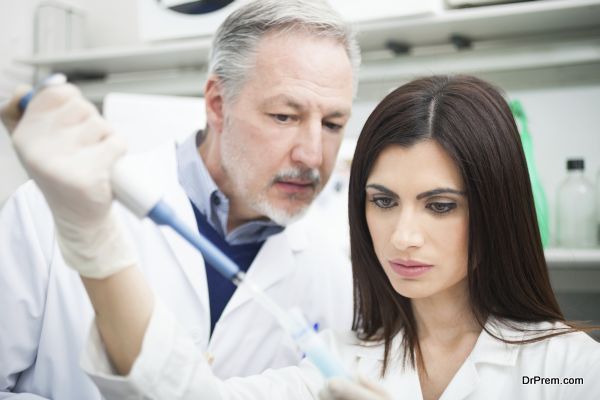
(145, 200)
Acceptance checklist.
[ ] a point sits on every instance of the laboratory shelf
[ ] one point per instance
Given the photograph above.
(557, 257)
(549, 52)
(574, 270)
(503, 21)
(109, 60)
(484, 23)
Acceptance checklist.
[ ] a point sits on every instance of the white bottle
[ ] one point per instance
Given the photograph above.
(576, 219)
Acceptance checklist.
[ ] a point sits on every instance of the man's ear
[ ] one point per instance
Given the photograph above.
(213, 99)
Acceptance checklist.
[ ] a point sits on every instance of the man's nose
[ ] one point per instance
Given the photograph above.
(308, 149)
(407, 233)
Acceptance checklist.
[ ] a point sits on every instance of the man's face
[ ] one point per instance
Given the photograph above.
(281, 133)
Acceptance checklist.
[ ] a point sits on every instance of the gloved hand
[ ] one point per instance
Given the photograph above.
(68, 149)
(358, 389)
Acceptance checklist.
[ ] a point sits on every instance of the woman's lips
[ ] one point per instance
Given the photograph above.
(409, 269)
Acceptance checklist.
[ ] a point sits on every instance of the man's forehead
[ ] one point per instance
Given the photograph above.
(293, 53)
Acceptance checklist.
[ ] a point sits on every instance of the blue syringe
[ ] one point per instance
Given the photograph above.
(145, 200)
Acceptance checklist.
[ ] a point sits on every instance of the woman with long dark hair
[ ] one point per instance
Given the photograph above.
(445, 245)
(452, 294)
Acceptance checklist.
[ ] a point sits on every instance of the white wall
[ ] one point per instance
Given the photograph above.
(108, 23)
(16, 40)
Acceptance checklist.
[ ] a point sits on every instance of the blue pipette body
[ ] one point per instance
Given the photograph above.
(162, 214)
(25, 100)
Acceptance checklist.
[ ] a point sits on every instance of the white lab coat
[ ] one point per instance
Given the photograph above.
(168, 367)
(45, 313)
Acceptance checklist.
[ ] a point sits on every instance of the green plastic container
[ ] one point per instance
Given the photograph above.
(539, 197)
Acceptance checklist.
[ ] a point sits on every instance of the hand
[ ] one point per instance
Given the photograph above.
(69, 150)
(359, 389)
(10, 112)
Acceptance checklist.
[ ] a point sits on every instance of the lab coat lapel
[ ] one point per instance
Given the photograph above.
(189, 259)
(398, 382)
(463, 384)
(272, 264)
(487, 351)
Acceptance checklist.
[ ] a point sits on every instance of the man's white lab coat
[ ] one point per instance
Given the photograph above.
(169, 368)
(45, 313)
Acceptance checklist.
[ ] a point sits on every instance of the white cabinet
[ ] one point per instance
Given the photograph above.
(379, 10)
(159, 22)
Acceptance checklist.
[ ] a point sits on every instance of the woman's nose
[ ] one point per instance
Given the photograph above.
(407, 232)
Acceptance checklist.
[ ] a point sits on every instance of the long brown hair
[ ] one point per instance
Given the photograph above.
(507, 273)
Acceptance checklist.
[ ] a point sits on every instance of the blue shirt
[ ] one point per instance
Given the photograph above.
(221, 289)
(211, 209)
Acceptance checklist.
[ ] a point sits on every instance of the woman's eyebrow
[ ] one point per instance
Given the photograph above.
(429, 193)
(382, 189)
(438, 191)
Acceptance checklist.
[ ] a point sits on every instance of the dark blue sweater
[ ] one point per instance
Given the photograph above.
(220, 289)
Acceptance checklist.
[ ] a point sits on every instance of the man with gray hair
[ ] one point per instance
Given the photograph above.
(282, 76)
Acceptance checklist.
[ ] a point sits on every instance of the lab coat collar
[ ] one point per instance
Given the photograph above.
(190, 260)
(273, 263)
(487, 349)
(399, 382)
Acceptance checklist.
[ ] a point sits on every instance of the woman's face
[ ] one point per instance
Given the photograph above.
(418, 217)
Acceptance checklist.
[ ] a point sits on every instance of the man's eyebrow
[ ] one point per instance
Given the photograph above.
(438, 191)
(343, 113)
(289, 101)
(382, 188)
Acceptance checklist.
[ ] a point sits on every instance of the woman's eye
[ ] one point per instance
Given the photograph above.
(383, 202)
(441, 208)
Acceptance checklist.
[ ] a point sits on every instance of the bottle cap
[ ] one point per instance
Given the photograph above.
(575, 163)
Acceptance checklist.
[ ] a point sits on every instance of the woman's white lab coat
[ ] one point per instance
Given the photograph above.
(169, 367)
(45, 313)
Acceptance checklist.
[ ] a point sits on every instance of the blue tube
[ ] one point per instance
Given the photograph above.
(329, 366)
(162, 214)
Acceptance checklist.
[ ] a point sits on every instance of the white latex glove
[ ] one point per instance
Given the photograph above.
(358, 389)
(68, 149)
